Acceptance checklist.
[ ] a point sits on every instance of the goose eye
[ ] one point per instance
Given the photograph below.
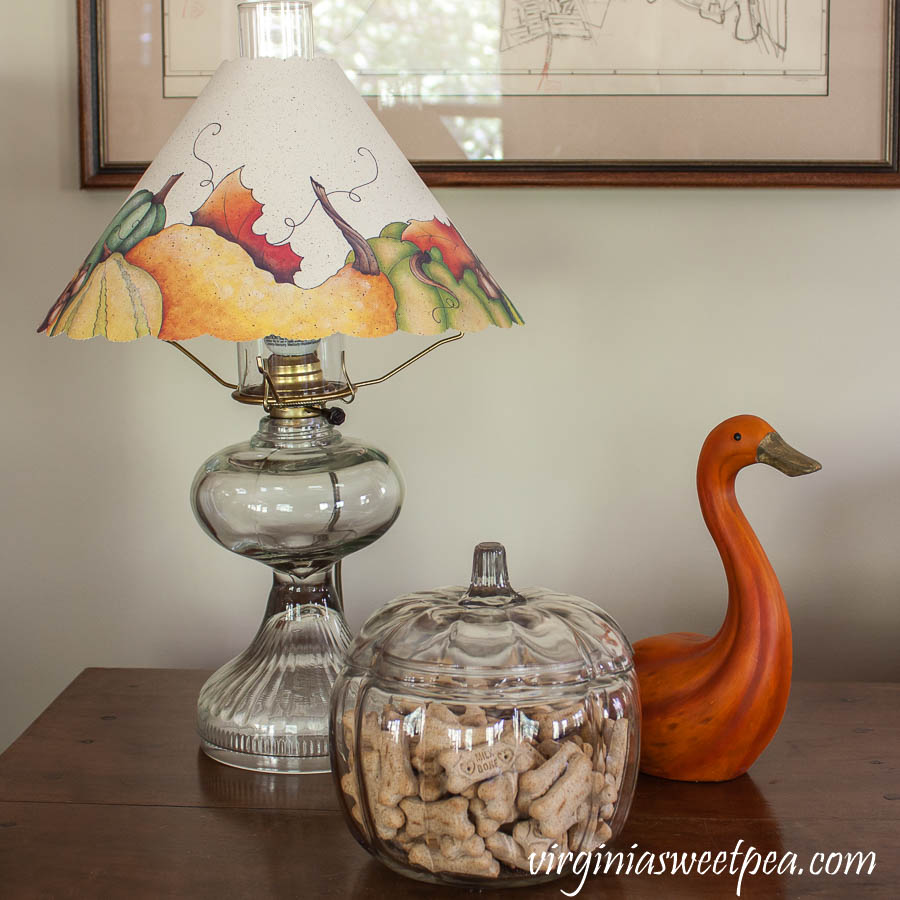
(737, 436)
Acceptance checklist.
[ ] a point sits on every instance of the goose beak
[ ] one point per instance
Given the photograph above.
(775, 452)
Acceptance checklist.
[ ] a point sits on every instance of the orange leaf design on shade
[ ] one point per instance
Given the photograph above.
(454, 250)
(230, 211)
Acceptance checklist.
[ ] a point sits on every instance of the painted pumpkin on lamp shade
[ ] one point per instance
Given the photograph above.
(216, 276)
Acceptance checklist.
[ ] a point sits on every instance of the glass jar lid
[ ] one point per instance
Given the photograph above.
(490, 636)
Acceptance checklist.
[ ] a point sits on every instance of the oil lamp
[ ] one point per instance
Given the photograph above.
(280, 215)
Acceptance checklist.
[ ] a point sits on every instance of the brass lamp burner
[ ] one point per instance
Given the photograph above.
(294, 387)
(289, 382)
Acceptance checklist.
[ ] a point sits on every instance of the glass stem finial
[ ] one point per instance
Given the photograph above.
(490, 579)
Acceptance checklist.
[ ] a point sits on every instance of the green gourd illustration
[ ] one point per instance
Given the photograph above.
(142, 215)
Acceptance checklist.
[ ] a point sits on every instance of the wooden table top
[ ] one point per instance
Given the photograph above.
(108, 795)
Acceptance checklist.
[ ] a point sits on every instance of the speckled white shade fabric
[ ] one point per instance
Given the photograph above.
(279, 205)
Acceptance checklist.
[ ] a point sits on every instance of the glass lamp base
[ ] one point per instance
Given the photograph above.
(298, 497)
(267, 709)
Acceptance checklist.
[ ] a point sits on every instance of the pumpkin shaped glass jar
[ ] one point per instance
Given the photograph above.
(480, 735)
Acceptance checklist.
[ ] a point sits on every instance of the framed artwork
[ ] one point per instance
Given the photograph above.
(542, 92)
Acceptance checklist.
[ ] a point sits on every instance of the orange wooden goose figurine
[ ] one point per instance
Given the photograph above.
(712, 704)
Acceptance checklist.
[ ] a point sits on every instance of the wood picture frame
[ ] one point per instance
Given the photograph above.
(862, 98)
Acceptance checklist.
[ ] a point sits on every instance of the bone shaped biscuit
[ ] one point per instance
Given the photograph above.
(423, 766)
(557, 810)
(608, 725)
(588, 834)
(451, 848)
(537, 782)
(387, 819)
(583, 827)
(605, 790)
(438, 736)
(617, 744)
(506, 848)
(397, 779)
(499, 796)
(487, 760)
(432, 787)
(370, 729)
(439, 817)
(548, 748)
(555, 725)
(529, 836)
(484, 824)
(484, 865)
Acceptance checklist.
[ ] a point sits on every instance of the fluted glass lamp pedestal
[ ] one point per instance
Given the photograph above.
(267, 709)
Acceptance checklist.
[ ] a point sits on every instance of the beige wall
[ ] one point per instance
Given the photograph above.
(652, 315)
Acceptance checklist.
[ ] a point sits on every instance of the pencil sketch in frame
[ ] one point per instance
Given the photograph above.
(674, 92)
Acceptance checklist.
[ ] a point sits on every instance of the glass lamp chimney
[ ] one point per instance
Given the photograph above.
(283, 29)
(276, 29)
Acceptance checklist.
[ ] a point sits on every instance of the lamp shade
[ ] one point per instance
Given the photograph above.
(280, 205)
